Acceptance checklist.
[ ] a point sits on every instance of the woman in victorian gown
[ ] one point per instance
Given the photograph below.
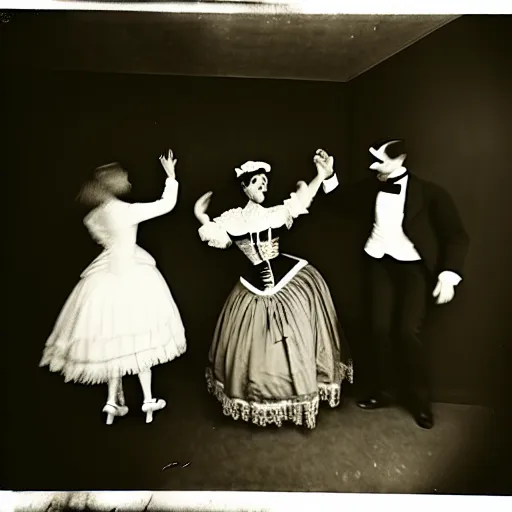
(121, 318)
(278, 348)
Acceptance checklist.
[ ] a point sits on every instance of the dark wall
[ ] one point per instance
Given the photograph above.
(449, 96)
(62, 125)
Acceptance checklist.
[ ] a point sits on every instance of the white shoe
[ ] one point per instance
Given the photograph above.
(150, 406)
(111, 410)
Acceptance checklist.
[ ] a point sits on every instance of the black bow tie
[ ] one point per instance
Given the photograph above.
(390, 186)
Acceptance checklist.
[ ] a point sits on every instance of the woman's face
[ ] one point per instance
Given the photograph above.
(256, 189)
(118, 182)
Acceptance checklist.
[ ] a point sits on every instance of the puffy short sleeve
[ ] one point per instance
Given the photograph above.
(291, 208)
(215, 232)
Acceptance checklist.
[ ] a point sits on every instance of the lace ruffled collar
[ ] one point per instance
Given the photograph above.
(252, 218)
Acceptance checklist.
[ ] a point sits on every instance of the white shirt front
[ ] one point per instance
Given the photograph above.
(388, 236)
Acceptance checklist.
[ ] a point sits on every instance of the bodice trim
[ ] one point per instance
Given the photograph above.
(301, 263)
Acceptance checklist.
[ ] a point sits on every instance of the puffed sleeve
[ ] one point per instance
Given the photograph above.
(215, 232)
(291, 208)
(140, 212)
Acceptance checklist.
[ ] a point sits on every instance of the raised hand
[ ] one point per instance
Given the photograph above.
(201, 206)
(324, 164)
(169, 163)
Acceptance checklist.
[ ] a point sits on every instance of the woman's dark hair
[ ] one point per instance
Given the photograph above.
(395, 148)
(245, 179)
(95, 190)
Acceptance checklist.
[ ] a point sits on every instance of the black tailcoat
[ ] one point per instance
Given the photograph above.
(431, 220)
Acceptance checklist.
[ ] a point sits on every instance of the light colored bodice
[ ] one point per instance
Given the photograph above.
(253, 229)
(245, 226)
(114, 224)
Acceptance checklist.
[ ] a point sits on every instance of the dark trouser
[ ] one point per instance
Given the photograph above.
(398, 296)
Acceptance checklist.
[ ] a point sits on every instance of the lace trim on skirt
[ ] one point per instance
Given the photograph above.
(301, 410)
(98, 372)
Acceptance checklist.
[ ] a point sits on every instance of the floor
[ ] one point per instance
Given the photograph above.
(59, 441)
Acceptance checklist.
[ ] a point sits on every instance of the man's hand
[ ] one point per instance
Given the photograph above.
(324, 164)
(443, 292)
(169, 164)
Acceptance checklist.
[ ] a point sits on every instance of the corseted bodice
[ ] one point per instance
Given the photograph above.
(255, 230)
(259, 247)
(268, 265)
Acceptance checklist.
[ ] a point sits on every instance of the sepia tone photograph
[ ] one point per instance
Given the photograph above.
(255, 249)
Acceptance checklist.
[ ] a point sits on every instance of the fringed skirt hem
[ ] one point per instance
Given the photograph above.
(300, 410)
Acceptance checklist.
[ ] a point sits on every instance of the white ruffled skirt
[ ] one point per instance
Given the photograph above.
(114, 324)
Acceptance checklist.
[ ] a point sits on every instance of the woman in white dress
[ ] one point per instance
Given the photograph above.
(121, 318)
(278, 348)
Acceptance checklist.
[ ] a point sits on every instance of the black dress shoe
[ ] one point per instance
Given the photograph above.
(424, 419)
(372, 403)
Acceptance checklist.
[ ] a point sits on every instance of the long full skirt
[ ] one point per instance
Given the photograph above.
(115, 323)
(273, 358)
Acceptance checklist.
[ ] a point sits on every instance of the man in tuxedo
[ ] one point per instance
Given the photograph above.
(414, 248)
